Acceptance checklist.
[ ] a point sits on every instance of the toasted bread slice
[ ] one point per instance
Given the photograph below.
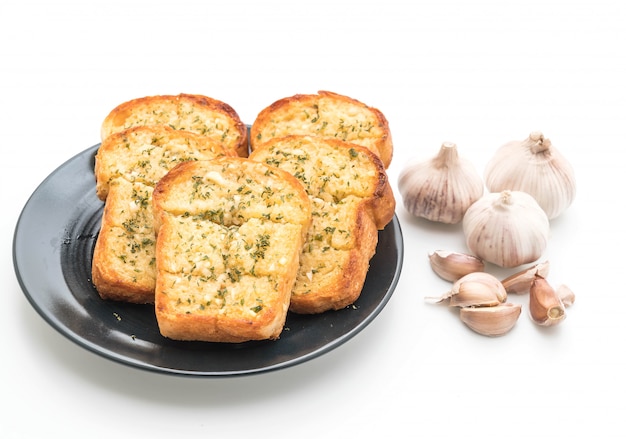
(127, 167)
(195, 113)
(230, 234)
(351, 200)
(328, 115)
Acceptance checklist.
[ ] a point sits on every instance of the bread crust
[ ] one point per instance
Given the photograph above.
(325, 114)
(351, 200)
(128, 165)
(230, 233)
(191, 112)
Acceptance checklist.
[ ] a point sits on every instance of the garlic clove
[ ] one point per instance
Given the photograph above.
(452, 266)
(474, 289)
(566, 295)
(478, 289)
(536, 167)
(442, 188)
(508, 228)
(546, 308)
(491, 321)
(519, 283)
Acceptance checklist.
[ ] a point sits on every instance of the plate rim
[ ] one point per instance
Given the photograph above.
(57, 324)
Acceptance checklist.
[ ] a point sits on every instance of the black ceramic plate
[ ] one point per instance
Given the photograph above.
(52, 249)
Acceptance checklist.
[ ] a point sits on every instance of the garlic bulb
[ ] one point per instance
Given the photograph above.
(442, 188)
(536, 167)
(507, 228)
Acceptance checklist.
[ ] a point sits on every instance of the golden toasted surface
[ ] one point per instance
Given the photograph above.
(351, 200)
(230, 233)
(127, 167)
(328, 115)
(123, 266)
(196, 113)
(144, 154)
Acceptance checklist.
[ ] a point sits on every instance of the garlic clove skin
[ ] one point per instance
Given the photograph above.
(536, 167)
(520, 282)
(492, 321)
(442, 188)
(546, 308)
(506, 228)
(452, 266)
(566, 295)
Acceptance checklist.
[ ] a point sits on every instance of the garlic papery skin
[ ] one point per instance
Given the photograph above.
(506, 228)
(520, 282)
(492, 321)
(566, 295)
(536, 167)
(452, 266)
(440, 189)
(545, 305)
(474, 289)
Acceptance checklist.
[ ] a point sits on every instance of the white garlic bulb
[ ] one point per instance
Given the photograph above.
(536, 167)
(506, 228)
(441, 188)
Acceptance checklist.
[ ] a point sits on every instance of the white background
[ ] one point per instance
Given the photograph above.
(476, 73)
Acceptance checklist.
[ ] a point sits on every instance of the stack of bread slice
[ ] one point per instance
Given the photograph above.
(188, 112)
(225, 241)
(128, 166)
(339, 148)
(351, 200)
